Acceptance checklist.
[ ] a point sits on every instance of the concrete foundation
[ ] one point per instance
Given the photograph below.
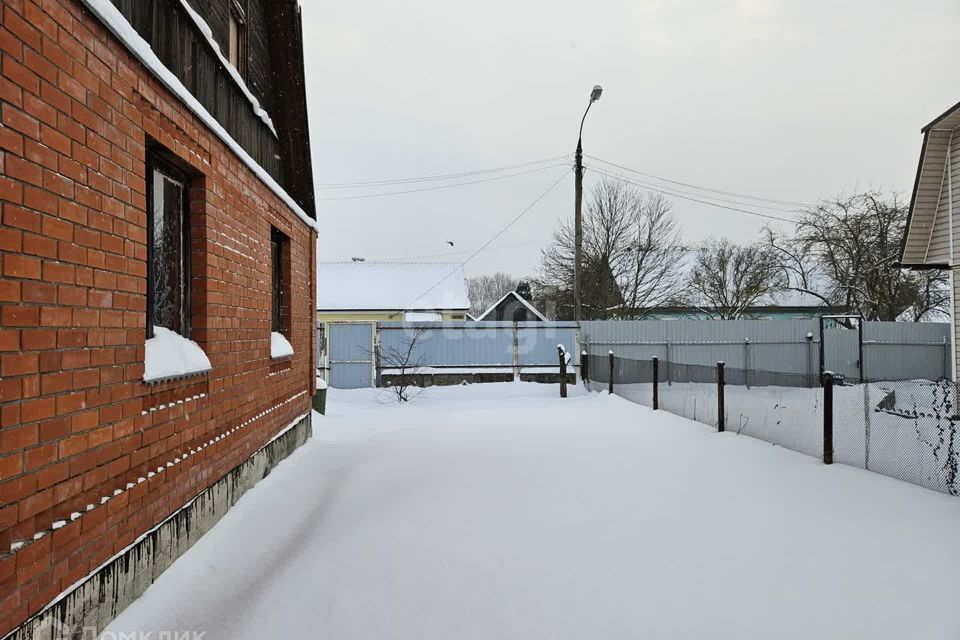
(93, 603)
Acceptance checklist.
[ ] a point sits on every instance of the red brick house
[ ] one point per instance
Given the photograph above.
(157, 248)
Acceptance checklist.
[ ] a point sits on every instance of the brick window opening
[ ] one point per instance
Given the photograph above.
(168, 246)
(280, 286)
(237, 45)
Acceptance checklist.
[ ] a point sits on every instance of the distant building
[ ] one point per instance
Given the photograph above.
(362, 291)
(930, 239)
(512, 308)
(353, 296)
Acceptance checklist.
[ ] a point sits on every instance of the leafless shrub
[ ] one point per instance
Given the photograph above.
(405, 366)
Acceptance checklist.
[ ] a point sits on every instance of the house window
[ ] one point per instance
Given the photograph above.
(168, 247)
(279, 259)
(238, 38)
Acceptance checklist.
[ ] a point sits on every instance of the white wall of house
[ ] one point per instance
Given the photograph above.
(934, 234)
(954, 307)
(939, 248)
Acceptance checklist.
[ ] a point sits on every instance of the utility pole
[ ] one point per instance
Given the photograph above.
(578, 200)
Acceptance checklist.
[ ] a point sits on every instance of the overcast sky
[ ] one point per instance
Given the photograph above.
(787, 100)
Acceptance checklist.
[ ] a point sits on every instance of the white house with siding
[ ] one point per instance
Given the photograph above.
(931, 239)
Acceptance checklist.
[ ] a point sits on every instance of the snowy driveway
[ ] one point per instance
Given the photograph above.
(500, 511)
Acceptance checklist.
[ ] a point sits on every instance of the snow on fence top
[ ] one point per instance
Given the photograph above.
(388, 286)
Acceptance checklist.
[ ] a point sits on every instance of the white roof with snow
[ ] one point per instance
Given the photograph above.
(519, 298)
(389, 286)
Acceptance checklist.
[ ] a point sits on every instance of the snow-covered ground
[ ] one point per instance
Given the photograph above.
(502, 511)
(893, 443)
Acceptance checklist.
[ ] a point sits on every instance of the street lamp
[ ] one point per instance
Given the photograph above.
(578, 194)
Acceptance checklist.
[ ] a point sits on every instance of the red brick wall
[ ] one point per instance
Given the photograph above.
(76, 420)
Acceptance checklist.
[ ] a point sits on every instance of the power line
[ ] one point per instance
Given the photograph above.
(680, 193)
(789, 203)
(460, 253)
(486, 244)
(685, 197)
(447, 176)
(443, 186)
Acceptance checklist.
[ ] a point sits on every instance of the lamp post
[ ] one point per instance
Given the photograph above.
(578, 195)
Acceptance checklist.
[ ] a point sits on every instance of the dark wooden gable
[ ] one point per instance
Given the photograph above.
(274, 75)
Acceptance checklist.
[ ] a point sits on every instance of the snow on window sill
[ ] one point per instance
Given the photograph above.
(280, 347)
(169, 355)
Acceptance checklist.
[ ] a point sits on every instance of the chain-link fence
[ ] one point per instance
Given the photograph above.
(905, 429)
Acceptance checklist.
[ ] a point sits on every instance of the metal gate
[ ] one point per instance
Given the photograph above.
(351, 355)
(841, 346)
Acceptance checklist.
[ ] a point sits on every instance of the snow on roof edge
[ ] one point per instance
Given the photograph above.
(111, 17)
(519, 297)
(208, 34)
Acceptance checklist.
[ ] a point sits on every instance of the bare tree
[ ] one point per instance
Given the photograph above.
(485, 290)
(845, 251)
(931, 297)
(405, 364)
(632, 255)
(798, 269)
(727, 279)
(655, 265)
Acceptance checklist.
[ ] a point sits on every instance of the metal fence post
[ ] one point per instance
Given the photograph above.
(746, 362)
(656, 383)
(377, 368)
(827, 417)
(667, 361)
(947, 357)
(610, 383)
(516, 352)
(585, 367)
(720, 408)
(866, 426)
(563, 371)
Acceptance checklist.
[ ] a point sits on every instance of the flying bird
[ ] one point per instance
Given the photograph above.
(450, 242)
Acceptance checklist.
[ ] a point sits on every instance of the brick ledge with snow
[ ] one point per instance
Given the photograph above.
(169, 355)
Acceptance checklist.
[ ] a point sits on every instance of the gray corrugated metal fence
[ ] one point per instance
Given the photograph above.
(480, 346)
(892, 350)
